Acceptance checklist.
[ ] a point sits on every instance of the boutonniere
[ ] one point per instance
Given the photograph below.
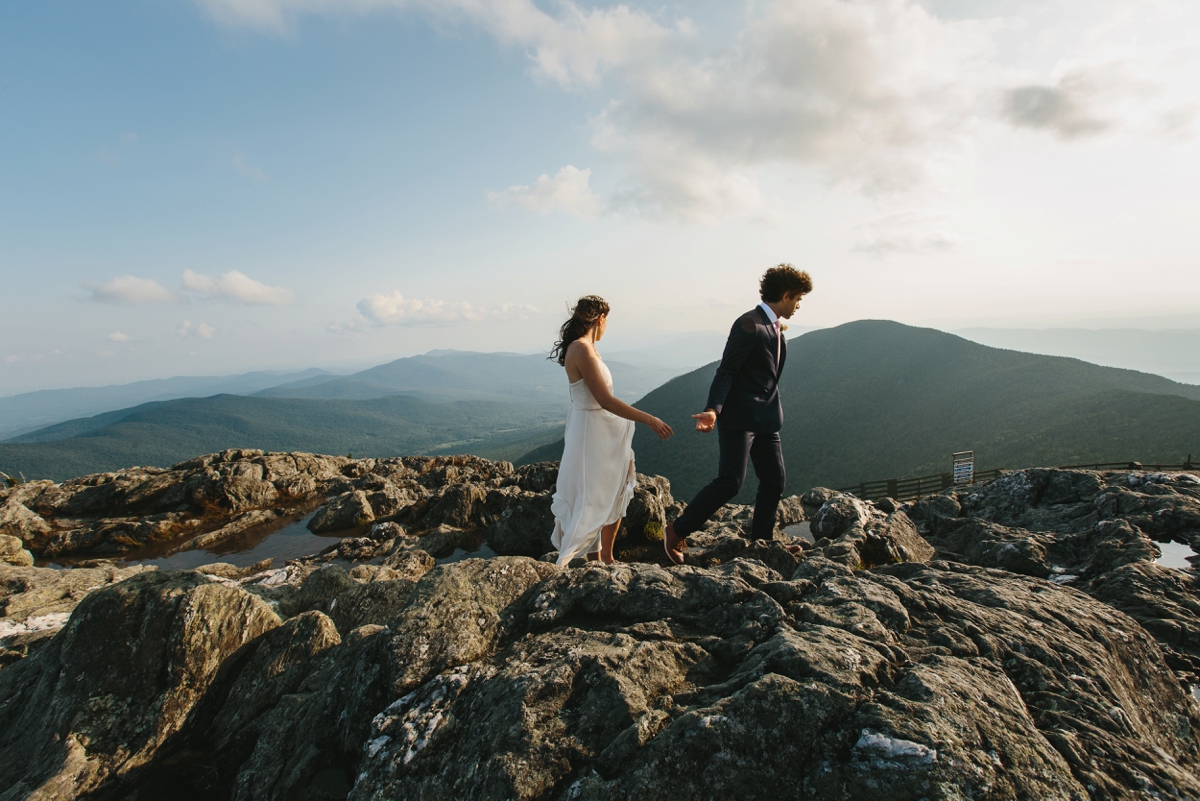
(782, 327)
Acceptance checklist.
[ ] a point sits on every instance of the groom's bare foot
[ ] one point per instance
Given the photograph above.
(674, 546)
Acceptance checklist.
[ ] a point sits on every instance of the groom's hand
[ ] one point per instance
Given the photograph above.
(705, 421)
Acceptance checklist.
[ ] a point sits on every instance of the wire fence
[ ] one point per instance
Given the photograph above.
(909, 489)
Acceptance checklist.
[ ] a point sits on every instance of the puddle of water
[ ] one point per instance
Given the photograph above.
(800, 530)
(1175, 554)
(288, 540)
(459, 554)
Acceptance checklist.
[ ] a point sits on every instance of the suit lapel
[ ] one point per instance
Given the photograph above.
(780, 352)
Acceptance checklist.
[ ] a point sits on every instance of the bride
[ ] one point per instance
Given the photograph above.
(596, 477)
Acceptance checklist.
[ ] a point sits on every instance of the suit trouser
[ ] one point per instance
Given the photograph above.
(738, 448)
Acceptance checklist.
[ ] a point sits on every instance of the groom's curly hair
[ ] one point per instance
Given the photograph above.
(587, 311)
(781, 280)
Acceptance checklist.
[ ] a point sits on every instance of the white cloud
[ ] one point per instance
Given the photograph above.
(130, 289)
(514, 311)
(568, 190)
(117, 336)
(907, 232)
(201, 330)
(571, 47)
(234, 285)
(393, 308)
(884, 96)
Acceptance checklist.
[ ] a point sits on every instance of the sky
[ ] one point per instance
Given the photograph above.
(218, 186)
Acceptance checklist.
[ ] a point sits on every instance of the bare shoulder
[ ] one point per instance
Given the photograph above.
(581, 348)
(579, 352)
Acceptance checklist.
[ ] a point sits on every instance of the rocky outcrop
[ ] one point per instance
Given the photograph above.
(12, 552)
(210, 500)
(100, 699)
(1011, 640)
(36, 602)
(1090, 530)
(510, 678)
(110, 513)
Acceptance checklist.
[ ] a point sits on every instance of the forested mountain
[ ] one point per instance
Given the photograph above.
(165, 433)
(876, 399)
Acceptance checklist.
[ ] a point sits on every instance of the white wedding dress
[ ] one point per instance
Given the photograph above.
(596, 478)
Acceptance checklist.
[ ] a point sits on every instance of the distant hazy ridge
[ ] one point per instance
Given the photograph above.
(865, 400)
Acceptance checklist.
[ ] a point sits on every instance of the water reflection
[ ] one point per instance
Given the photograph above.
(281, 541)
(800, 530)
(483, 552)
(1175, 554)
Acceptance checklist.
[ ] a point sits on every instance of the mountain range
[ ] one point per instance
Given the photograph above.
(866, 400)
(33, 410)
(495, 404)
(876, 399)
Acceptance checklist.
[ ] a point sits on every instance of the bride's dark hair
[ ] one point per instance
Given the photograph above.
(587, 311)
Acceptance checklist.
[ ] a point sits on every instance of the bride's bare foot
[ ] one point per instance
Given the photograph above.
(594, 556)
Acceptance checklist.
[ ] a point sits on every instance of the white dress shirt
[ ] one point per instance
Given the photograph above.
(771, 315)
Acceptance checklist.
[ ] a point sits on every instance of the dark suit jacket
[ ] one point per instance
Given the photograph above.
(745, 390)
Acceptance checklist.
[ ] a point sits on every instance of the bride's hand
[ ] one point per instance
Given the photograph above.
(663, 430)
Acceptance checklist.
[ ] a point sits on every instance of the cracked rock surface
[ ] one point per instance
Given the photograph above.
(1005, 641)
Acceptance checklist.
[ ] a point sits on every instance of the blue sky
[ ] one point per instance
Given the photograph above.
(225, 185)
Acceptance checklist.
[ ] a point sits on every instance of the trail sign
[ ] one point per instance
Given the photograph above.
(964, 467)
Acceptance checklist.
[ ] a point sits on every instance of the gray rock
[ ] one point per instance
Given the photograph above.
(1010, 641)
(347, 511)
(12, 552)
(409, 564)
(646, 516)
(524, 527)
(19, 522)
(861, 535)
(791, 511)
(36, 600)
(118, 680)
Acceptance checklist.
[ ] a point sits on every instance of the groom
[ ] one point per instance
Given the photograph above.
(744, 406)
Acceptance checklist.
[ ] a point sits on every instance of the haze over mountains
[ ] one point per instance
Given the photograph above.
(494, 404)
(1172, 353)
(866, 400)
(32, 410)
(445, 374)
(458, 375)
